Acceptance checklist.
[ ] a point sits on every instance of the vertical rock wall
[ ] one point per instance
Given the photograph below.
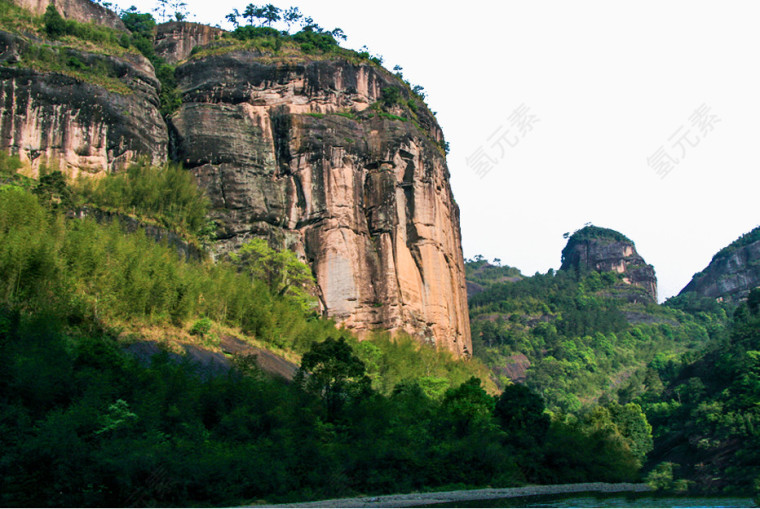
(297, 155)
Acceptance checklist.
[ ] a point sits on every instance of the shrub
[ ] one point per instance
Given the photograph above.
(55, 25)
(201, 327)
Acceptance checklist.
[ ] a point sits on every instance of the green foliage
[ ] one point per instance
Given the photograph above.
(705, 416)
(87, 67)
(390, 96)
(744, 240)
(166, 194)
(661, 476)
(85, 425)
(85, 269)
(281, 270)
(53, 191)
(313, 41)
(575, 334)
(520, 412)
(201, 327)
(55, 25)
(9, 164)
(142, 26)
(335, 373)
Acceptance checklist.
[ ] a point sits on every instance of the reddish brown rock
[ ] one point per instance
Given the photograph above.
(175, 40)
(57, 120)
(292, 151)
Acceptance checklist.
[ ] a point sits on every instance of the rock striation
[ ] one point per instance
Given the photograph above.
(732, 273)
(605, 250)
(175, 40)
(76, 122)
(294, 151)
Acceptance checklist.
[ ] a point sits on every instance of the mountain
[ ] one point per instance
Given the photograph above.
(732, 272)
(605, 250)
(317, 149)
(584, 334)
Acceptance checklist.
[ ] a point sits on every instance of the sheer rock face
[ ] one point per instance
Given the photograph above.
(83, 11)
(63, 122)
(612, 255)
(363, 198)
(175, 40)
(731, 274)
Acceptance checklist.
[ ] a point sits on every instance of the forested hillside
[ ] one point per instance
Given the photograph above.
(85, 422)
(575, 337)
(690, 365)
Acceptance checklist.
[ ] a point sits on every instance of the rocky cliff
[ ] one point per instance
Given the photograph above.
(605, 250)
(76, 106)
(328, 155)
(176, 40)
(733, 271)
(299, 154)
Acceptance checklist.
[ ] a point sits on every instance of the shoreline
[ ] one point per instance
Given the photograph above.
(442, 497)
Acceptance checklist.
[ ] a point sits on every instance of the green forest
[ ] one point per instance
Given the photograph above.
(85, 423)
(574, 376)
(688, 364)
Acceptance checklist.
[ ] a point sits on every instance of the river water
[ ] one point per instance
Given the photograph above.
(612, 500)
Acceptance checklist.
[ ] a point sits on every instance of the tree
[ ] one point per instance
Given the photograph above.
(162, 9)
(281, 270)
(469, 406)
(53, 191)
(233, 17)
(251, 12)
(55, 25)
(520, 412)
(292, 16)
(335, 373)
(179, 10)
(338, 33)
(270, 14)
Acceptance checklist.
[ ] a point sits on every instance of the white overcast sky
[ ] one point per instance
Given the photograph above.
(608, 84)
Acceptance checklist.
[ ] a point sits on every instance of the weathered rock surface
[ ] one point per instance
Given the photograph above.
(175, 40)
(290, 151)
(61, 121)
(733, 271)
(83, 11)
(605, 250)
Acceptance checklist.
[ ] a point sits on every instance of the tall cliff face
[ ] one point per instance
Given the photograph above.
(605, 250)
(733, 271)
(291, 150)
(68, 106)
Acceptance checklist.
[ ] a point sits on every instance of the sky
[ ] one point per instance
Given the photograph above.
(636, 116)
